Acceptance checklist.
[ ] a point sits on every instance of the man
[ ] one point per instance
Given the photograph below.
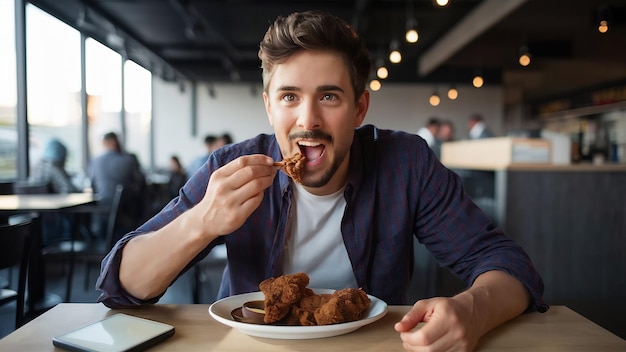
(446, 131)
(209, 144)
(477, 128)
(51, 169)
(116, 167)
(430, 131)
(364, 194)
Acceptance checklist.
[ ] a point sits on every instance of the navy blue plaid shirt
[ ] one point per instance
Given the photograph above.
(396, 189)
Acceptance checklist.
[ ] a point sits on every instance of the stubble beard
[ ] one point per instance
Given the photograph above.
(327, 175)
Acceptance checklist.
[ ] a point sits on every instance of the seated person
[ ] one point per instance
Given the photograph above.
(51, 171)
(365, 193)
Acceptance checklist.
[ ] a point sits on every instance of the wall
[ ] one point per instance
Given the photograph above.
(239, 111)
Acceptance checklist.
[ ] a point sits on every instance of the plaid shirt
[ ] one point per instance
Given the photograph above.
(396, 189)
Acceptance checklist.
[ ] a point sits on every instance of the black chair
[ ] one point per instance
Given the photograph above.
(90, 251)
(6, 188)
(14, 249)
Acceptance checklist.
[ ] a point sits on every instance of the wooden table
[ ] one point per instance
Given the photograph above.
(41, 203)
(560, 329)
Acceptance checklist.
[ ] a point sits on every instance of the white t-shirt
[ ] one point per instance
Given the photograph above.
(314, 244)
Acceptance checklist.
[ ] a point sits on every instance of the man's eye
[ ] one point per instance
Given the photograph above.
(329, 96)
(289, 97)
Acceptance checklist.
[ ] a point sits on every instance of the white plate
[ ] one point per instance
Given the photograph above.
(221, 309)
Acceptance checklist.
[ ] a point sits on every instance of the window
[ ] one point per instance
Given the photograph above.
(8, 92)
(53, 83)
(138, 106)
(104, 93)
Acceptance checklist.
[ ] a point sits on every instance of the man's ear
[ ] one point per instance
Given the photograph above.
(361, 108)
(266, 101)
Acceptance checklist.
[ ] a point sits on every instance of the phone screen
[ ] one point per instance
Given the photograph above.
(119, 332)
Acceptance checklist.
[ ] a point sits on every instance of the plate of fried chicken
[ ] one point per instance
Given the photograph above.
(294, 311)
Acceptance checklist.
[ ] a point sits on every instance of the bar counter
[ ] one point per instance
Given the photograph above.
(570, 218)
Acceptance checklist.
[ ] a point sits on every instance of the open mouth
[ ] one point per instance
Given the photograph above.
(312, 150)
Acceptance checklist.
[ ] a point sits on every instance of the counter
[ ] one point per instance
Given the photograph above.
(571, 219)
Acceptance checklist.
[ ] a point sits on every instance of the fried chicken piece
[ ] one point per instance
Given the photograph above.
(289, 302)
(293, 166)
(339, 307)
(303, 312)
(343, 306)
(281, 293)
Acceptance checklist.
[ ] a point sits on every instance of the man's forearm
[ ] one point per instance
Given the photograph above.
(495, 297)
(152, 261)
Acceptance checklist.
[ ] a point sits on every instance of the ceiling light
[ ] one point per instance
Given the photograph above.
(375, 85)
(478, 81)
(411, 34)
(434, 99)
(603, 26)
(381, 71)
(524, 57)
(453, 93)
(442, 2)
(395, 56)
(603, 17)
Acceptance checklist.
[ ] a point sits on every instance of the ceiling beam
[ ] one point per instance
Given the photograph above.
(485, 15)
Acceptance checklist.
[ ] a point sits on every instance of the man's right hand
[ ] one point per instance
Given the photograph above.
(151, 262)
(234, 191)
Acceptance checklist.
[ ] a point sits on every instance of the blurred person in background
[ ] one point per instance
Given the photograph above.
(209, 144)
(116, 167)
(225, 139)
(429, 131)
(477, 128)
(177, 178)
(51, 171)
(446, 131)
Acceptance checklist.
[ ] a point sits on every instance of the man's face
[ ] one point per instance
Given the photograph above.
(310, 103)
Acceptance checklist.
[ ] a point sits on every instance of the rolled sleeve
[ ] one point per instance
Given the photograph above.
(113, 294)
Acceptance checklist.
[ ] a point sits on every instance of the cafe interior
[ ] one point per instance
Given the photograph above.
(548, 78)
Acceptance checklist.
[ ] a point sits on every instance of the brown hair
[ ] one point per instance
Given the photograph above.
(315, 30)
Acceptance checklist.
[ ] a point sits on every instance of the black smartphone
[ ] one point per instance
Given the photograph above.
(119, 332)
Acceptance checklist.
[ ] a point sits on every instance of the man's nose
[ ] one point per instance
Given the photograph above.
(309, 115)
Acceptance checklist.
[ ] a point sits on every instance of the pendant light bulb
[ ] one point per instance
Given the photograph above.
(375, 85)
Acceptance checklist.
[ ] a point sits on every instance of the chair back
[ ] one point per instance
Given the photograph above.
(26, 187)
(14, 250)
(6, 188)
(113, 225)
